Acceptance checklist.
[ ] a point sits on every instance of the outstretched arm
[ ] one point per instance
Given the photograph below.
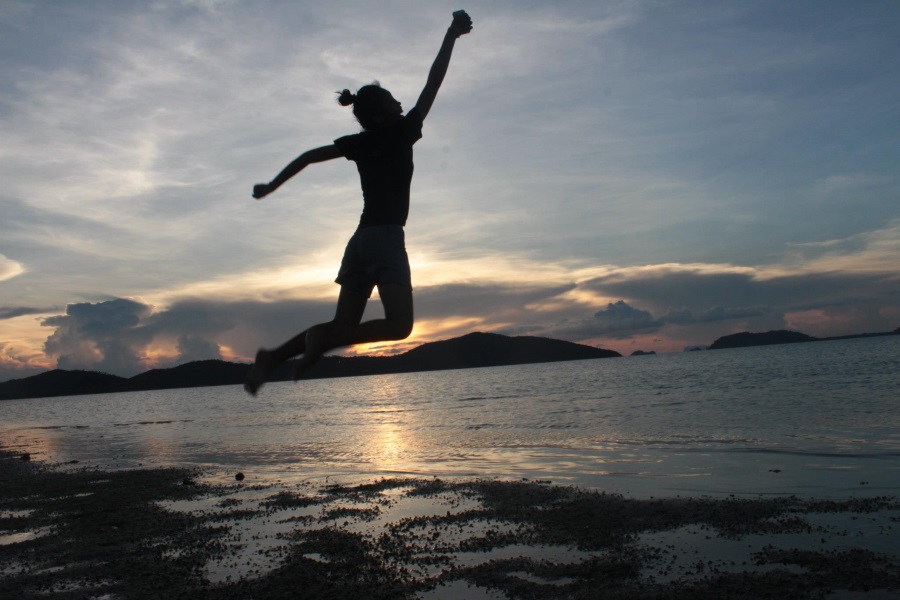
(315, 155)
(462, 24)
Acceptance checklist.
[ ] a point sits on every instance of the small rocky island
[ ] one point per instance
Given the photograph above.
(782, 336)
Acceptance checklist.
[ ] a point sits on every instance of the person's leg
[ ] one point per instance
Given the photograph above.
(352, 275)
(346, 329)
(326, 336)
(268, 360)
(263, 366)
(397, 323)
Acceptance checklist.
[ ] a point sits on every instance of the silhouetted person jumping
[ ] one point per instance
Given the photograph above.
(376, 254)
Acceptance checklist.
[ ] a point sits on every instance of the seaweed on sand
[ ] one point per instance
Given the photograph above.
(91, 533)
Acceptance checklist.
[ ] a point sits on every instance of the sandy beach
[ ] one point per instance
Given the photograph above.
(72, 532)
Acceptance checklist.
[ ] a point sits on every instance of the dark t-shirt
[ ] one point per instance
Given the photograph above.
(384, 159)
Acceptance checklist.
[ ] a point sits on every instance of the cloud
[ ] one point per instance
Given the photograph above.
(619, 317)
(196, 348)
(125, 336)
(17, 362)
(484, 300)
(241, 326)
(709, 300)
(682, 295)
(159, 118)
(717, 313)
(876, 251)
(9, 268)
(104, 336)
(11, 312)
(701, 288)
(617, 320)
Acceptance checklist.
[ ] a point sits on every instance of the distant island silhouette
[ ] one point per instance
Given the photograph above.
(469, 351)
(782, 336)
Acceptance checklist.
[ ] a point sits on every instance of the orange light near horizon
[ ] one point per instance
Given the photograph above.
(654, 342)
(379, 348)
(23, 342)
(159, 352)
(228, 354)
(427, 330)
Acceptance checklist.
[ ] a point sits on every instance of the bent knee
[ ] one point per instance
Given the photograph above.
(402, 328)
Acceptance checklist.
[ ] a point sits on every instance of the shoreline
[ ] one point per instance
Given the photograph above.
(171, 532)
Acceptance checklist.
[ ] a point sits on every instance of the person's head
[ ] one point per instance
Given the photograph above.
(373, 106)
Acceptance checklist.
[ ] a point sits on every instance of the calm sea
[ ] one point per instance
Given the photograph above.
(817, 419)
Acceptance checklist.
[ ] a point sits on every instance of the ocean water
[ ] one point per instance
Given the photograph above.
(817, 420)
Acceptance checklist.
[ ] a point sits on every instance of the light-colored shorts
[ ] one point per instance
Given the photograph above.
(375, 255)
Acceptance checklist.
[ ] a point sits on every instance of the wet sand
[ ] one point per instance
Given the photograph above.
(71, 532)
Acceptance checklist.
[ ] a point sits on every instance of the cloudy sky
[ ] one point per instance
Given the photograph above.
(634, 174)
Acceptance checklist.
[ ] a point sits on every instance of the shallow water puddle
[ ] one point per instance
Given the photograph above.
(697, 550)
(256, 530)
(7, 539)
(455, 590)
(254, 548)
(559, 554)
(685, 552)
(399, 505)
(261, 522)
(541, 580)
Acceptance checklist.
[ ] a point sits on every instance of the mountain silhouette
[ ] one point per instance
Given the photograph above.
(469, 351)
(199, 373)
(491, 350)
(75, 383)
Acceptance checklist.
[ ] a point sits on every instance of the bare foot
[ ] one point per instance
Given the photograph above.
(259, 372)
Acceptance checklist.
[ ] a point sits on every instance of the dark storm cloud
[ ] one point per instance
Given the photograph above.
(617, 320)
(104, 336)
(619, 317)
(192, 347)
(112, 336)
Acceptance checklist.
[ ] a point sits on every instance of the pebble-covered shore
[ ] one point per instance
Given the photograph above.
(172, 533)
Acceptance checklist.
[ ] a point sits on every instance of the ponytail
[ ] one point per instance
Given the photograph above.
(366, 103)
(345, 98)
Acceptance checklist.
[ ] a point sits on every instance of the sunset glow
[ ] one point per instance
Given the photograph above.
(614, 174)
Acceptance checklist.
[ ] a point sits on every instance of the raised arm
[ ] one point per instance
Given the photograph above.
(462, 24)
(260, 190)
